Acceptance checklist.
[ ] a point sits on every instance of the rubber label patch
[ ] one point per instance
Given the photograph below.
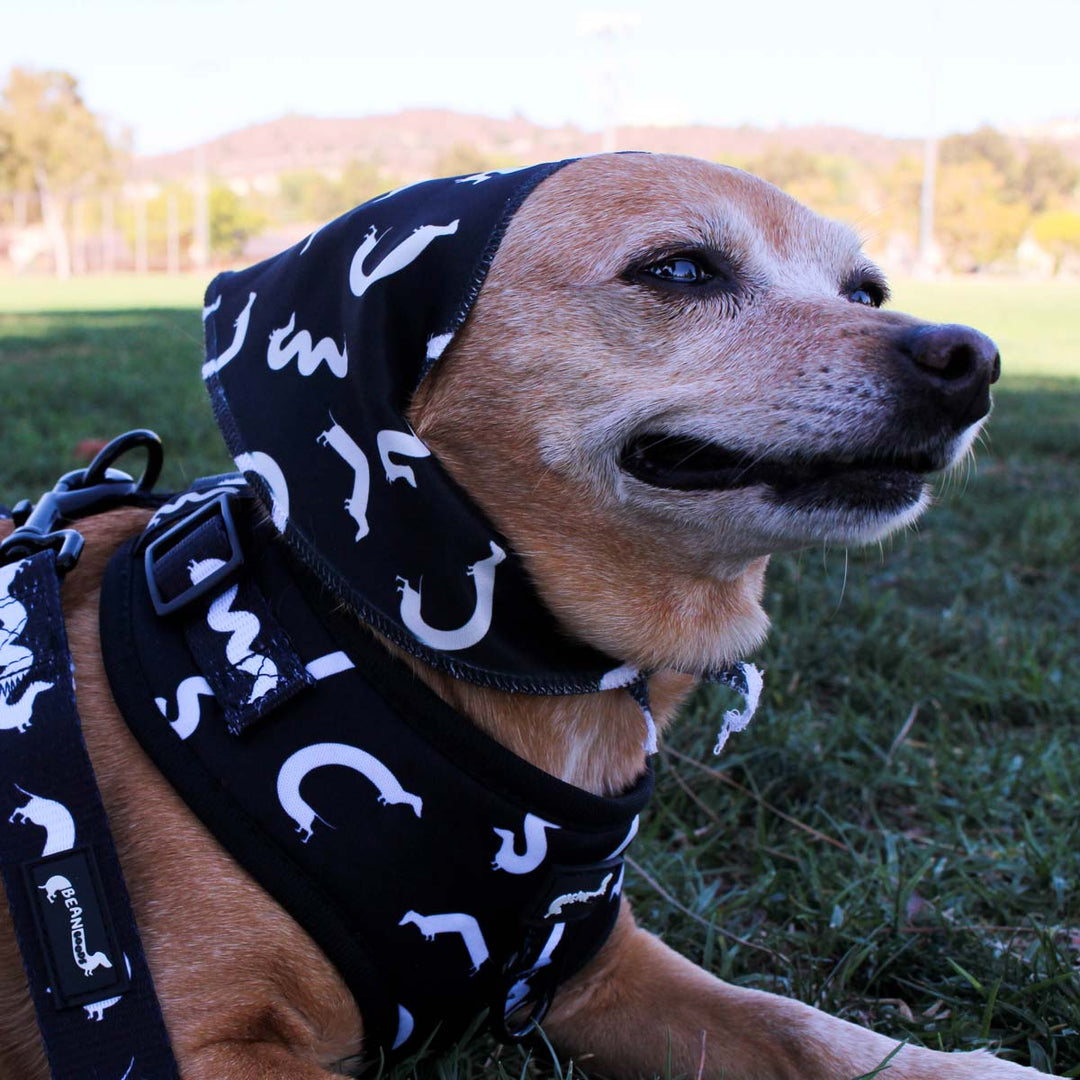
(74, 928)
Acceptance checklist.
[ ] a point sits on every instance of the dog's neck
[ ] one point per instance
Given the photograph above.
(593, 741)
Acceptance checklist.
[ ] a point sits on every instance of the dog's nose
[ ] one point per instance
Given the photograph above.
(957, 365)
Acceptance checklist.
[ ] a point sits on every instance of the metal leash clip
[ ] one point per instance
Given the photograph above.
(78, 494)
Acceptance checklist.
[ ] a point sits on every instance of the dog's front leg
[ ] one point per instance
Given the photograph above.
(641, 1009)
(239, 1060)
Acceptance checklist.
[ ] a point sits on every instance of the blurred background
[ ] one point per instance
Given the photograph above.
(168, 138)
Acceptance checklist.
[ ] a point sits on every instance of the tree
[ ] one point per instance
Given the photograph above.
(984, 144)
(977, 222)
(307, 195)
(1059, 233)
(1047, 175)
(232, 221)
(51, 143)
(363, 180)
(464, 159)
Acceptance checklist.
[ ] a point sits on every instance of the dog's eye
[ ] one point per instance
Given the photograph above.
(865, 290)
(679, 270)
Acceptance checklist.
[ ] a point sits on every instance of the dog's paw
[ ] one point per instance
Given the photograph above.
(976, 1065)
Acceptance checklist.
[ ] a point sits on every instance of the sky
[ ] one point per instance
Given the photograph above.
(174, 74)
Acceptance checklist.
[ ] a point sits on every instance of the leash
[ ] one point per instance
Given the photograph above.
(92, 990)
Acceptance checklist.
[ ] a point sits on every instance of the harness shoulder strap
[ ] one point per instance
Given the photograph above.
(88, 976)
(86, 971)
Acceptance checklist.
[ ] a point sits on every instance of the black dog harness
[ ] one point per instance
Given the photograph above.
(439, 872)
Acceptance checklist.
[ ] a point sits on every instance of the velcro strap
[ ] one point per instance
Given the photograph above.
(239, 647)
(244, 654)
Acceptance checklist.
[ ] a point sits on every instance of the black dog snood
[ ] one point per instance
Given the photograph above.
(313, 357)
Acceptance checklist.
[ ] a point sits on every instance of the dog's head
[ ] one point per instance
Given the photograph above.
(673, 370)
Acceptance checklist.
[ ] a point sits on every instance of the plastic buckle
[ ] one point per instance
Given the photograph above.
(218, 507)
(513, 1023)
(76, 494)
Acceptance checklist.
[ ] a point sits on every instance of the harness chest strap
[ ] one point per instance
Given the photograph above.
(438, 872)
(86, 970)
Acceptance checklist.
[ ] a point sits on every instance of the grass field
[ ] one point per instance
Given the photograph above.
(897, 837)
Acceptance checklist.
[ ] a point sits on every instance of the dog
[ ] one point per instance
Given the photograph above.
(672, 370)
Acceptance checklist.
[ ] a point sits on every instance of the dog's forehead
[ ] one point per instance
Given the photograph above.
(592, 216)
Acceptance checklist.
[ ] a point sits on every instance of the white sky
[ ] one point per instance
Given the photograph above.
(178, 73)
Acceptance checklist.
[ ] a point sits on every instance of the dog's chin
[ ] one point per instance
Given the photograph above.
(783, 502)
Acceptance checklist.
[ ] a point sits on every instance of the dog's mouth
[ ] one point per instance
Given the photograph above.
(878, 481)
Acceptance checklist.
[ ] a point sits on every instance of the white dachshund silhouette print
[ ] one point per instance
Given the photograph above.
(212, 367)
(50, 815)
(90, 962)
(483, 575)
(555, 908)
(508, 859)
(322, 667)
(480, 177)
(452, 923)
(96, 1009)
(397, 258)
(266, 467)
(626, 840)
(54, 886)
(404, 1027)
(194, 687)
(188, 708)
(242, 627)
(16, 660)
(227, 485)
(311, 236)
(404, 443)
(519, 991)
(340, 441)
(618, 677)
(308, 356)
(318, 755)
(436, 345)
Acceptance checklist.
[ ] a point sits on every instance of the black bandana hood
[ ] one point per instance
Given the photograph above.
(312, 359)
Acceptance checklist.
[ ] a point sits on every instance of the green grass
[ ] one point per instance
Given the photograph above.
(102, 293)
(900, 827)
(1035, 323)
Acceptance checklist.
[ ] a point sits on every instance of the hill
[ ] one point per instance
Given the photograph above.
(409, 144)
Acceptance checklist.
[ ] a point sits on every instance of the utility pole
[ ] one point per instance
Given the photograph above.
(200, 249)
(927, 250)
(927, 258)
(609, 27)
(142, 260)
(78, 235)
(172, 233)
(108, 233)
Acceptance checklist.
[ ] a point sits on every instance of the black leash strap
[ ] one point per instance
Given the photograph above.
(87, 973)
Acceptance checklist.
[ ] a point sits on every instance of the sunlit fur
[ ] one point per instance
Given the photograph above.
(572, 360)
(557, 365)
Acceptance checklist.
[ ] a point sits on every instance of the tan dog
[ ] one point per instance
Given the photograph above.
(692, 373)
